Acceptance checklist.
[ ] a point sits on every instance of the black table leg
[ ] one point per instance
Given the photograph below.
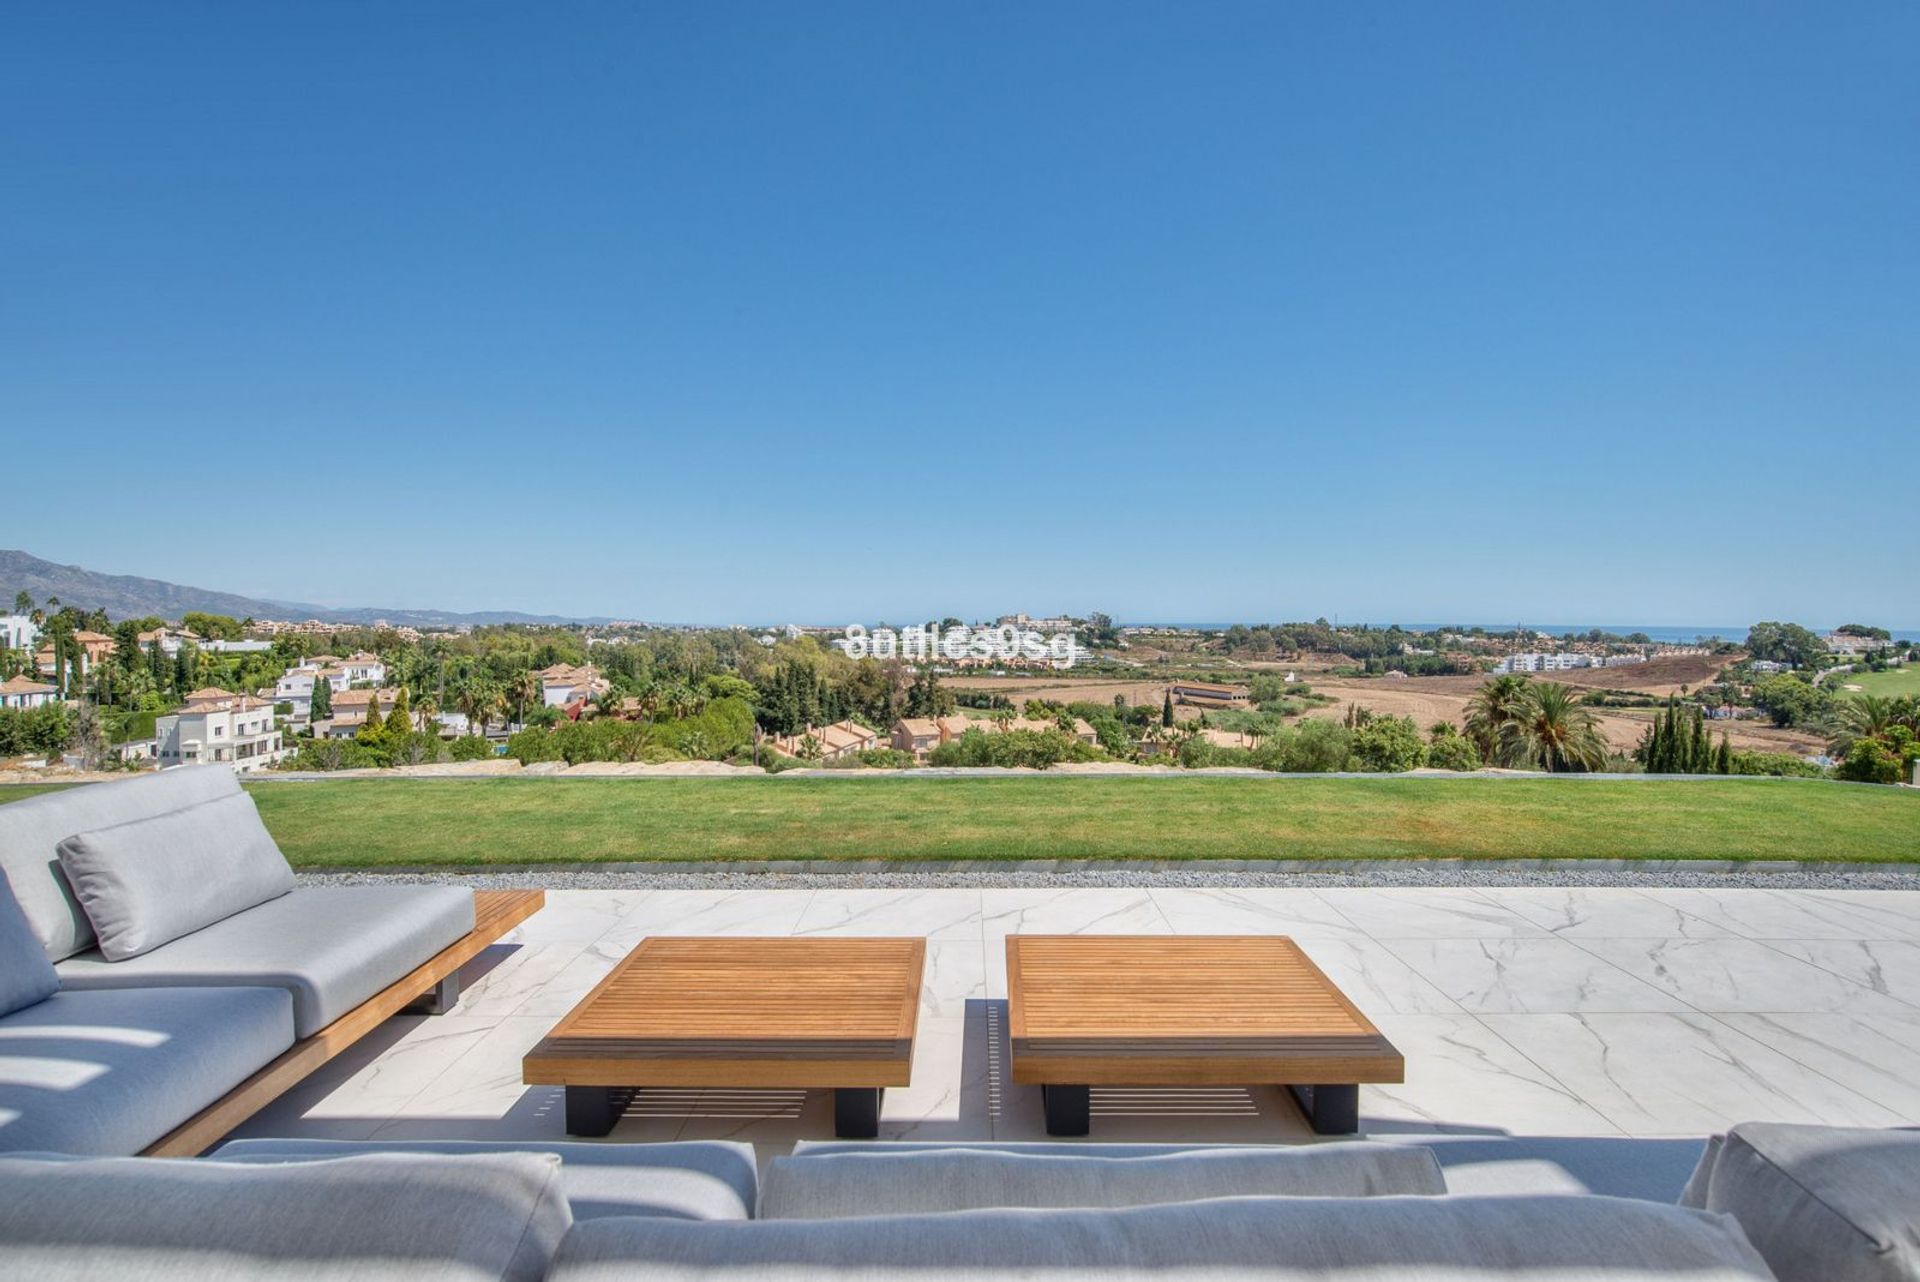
(1069, 1109)
(592, 1110)
(856, 1112)
(439, 999)
(1330, 1110)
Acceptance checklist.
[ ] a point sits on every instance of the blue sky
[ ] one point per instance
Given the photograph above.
(823, 311)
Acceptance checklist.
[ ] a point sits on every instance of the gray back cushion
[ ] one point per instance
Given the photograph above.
(31, 832)
(960, 1179)
(1821, 1203)
(366, 1218)
(693, 1180)
(1375, 1239)
(155, 879)
(26, 976)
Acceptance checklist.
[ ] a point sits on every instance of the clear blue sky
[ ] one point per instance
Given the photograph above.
(1568, 312)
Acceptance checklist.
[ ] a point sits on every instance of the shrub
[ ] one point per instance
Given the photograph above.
(1780, 764)
(1389, 744)
(1036, 749)
(1453, 752)
(471, 747)
(1868, 761)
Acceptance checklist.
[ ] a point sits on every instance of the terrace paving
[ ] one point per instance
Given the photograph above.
(1526, 1010)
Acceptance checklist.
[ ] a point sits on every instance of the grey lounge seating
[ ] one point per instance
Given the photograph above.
(693, 1180)
(332, 947)
(111, 1072)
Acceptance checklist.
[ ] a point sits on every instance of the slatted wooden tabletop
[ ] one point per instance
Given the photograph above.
(743, 1011)
(1170, 1010)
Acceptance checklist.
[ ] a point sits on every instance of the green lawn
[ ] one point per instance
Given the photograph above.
(370, 822)
(1902, 680)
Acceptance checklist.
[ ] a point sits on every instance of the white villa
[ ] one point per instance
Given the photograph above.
(561, 684)
(22, 692)
(18, 632)
(236, 730)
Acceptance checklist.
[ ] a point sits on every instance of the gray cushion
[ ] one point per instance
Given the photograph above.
(333, 947)
(1374, 1239)
(961, 1179)
(1523, 1165)
(382, 1216)
(26, 976)
(695, 1180)
(32, 830)
(1821, 1203)
(152, 880)
(111, 1072)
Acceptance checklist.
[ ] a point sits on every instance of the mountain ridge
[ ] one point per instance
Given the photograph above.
(131, 596)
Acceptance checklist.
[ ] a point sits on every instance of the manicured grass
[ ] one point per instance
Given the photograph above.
(1904, 679)
(353, 823)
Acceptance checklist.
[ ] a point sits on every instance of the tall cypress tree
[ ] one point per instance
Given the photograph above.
(321, 706)
(1166, 708)
(1723, 760)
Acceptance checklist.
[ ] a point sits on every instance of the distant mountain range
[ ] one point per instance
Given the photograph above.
(127, 596)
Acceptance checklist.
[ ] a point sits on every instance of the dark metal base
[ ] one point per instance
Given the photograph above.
(1330, 1110)
(1069, 1109)
(439, 999)
(593, 1110)
(856, 1112)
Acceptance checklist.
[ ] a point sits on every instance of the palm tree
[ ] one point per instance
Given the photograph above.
(478, 700)
(1493, 708)
(1554, 733)
(1869, 714)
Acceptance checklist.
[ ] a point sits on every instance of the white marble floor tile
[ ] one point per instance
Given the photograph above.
(929, 914)
(712, 912)
(1428, 912)
(516, 977)
(1886, 966)
(1527, 975)
(955, 978)
(561, 992)
(1778, 914)
(1738, 975)
(1896, 911)
(1070, 912)
(1462, 1076)
(949, 1096)
(1681, 1074)
(429, 1048)
(576, 916)
(1575, 912)
(1303, 914)
(1376, 980)
(1875, 1058)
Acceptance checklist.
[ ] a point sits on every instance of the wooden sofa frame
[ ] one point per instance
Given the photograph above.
(495, 912)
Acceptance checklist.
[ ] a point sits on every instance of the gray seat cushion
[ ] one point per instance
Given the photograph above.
(26, 976)
(1374, 1239)
(695, 1180)
(387, 1215)
(152, 880)
(332, 947)
(31, 832)
(1821, 1203)
(1523, 1165)
(878, 1182)
(111, 1072)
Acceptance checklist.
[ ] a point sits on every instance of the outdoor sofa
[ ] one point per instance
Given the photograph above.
(1793, 1203)
(161, 975)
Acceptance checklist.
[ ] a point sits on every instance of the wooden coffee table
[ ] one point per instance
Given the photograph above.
(1187, 1010)
(783, 1013)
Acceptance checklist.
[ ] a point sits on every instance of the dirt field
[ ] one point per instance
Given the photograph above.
(1431, 699)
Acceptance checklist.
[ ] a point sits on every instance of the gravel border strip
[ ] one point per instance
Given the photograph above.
(968, 876)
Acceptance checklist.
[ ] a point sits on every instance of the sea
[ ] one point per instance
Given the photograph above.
(1672, 634)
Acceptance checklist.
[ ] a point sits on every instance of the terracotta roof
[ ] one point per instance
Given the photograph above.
(208, 694)
(20, 685)
(232, 703)
(357, 698)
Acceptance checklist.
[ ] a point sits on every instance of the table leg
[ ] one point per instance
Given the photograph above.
(856, 1112)
(592, 1110)
(1330, 1110)
(1069, 1109)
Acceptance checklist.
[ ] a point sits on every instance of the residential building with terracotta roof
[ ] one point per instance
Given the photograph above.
(840, 739)
(350, 712)
(95, 648)
(237, 731)
(563, 683)
(23, 692)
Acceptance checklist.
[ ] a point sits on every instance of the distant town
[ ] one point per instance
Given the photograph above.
(84, 690)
